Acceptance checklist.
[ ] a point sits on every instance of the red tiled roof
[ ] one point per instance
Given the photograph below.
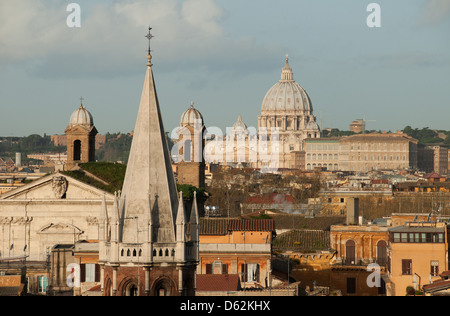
(252, 225)
(436, 286)
(218, 282)
(221, 226)
(433, 175)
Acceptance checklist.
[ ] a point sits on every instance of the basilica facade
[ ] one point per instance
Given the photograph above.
(286, 120)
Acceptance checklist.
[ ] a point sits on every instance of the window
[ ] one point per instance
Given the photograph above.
(434, 268)
(381, 253)
(131, 290)
(217, 267)
(418, 237)
(406, 267)
(89, 272)
(77, 150)
(250, 272)
(424, 237)
(351, 286)
(404, 237)
(350, 252)
(42, 284)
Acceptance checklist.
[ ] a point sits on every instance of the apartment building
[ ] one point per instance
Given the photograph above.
(418, 254)
(237, 247)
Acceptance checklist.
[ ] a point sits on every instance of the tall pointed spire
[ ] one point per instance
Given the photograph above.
(149, 171)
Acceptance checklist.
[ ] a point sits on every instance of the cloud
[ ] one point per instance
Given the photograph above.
(434, 11)
(110, 41)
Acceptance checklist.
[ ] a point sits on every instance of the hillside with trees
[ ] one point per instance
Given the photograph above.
(34, 143)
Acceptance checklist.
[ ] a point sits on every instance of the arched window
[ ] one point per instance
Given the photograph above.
(131, 290)
(350, 252)
(108, 287)
(163, 288)
(77, 150)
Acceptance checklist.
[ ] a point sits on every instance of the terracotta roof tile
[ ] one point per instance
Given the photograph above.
(218, 282)
(436, 286)
(302, 222)
(221, 226)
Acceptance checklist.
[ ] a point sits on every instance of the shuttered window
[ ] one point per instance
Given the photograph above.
(406, 267)
(434, 268)
(350, 252)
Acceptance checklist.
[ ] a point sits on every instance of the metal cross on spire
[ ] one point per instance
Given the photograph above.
(81, 101)
(149, 36)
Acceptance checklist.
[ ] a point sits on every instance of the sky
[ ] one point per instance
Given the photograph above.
(223, 55)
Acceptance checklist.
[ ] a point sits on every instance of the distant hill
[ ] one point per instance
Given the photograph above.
(116, 148)
(34, 143)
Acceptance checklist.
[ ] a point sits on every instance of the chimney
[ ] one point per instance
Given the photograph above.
(352, 211)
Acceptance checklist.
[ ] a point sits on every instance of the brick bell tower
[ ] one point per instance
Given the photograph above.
(80, 135)
(191, 145)
(147, 244)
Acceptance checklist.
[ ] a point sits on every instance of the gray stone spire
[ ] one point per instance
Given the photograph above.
(149, 174)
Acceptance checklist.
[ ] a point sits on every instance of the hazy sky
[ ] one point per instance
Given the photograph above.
(224, 55)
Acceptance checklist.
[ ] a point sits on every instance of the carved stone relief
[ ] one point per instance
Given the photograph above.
(59, 186)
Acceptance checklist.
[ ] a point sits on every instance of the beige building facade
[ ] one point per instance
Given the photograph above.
(378, 151)
(322, 153)
(418, 253)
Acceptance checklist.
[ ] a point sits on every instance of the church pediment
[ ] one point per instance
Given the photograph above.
(56, 187)
(81, 129)
(60, 228)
